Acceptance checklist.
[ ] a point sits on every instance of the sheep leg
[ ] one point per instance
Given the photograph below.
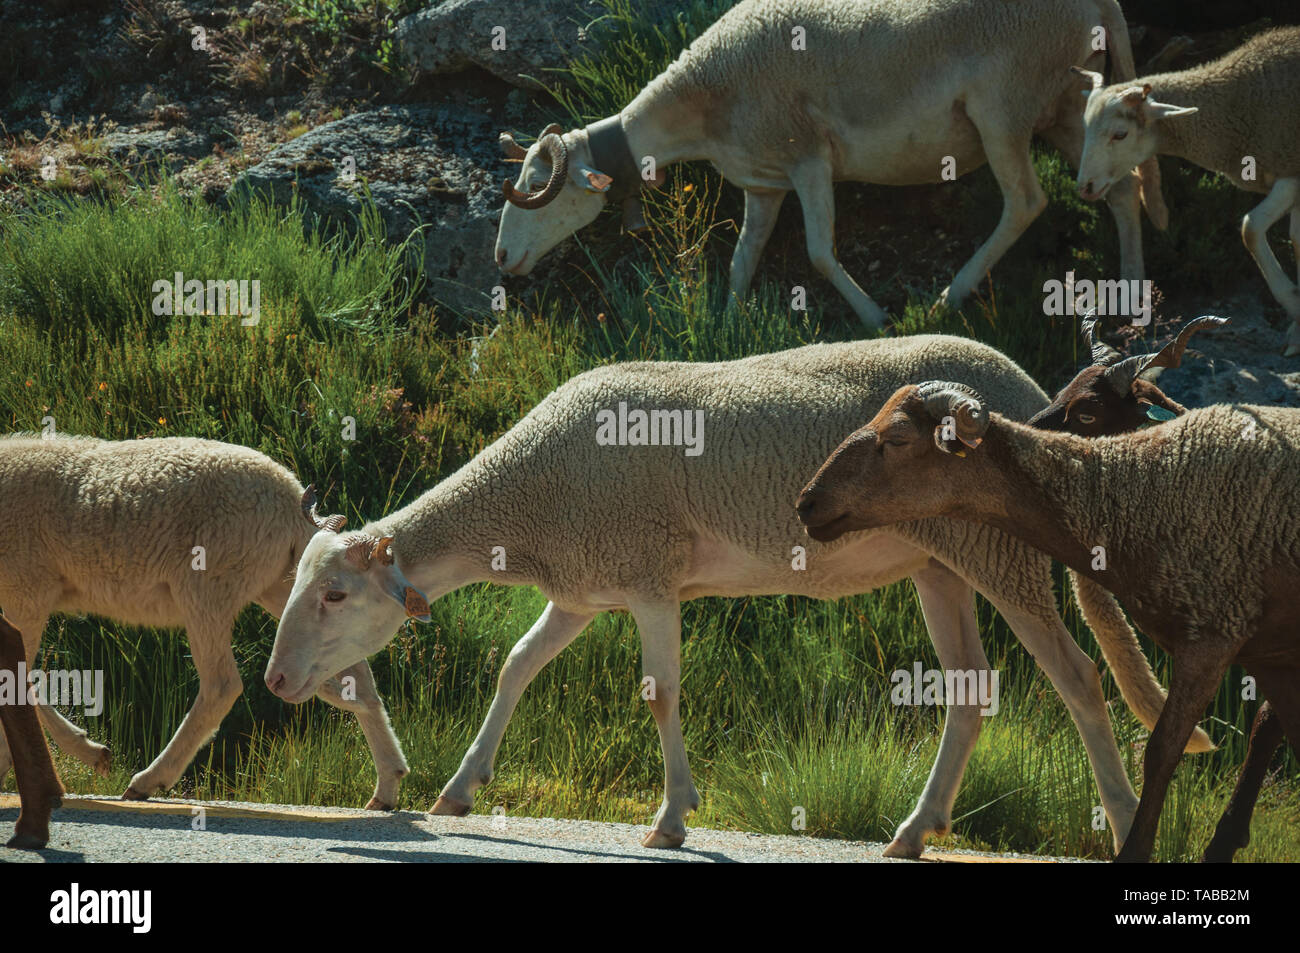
(550, 634)
(948, 605)
(366, 703)
(39, 790)
(219, 686)
(1293, 332)
(1075, 678)
(1022, 202)
(660, 624)
(1233, 830)
(1198, 670)
(761, 209)
(71, 738)
(813, 184)
(1125, 203)
(1281, 199)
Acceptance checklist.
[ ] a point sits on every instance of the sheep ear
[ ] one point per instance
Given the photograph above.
(593, 180)
(1165, 111)
(399, 588)
(1096, 78)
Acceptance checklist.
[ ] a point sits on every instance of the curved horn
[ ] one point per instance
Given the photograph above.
(1171, 355)
(512, 149)
(381, 552)
(360, 550)
(1103, 355)
(944, 399)
(1121, 376)
(331, 523)
(552, 146)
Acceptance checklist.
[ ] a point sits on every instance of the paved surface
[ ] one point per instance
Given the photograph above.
(99, 829)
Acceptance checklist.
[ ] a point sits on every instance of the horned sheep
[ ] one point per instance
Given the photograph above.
(1236, 115)
(1161, 505)
(643, 527)
(165, 532)
(785, 95)
(1104, 399)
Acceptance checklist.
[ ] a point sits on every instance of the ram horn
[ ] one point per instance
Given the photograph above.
(1121, 376)
(944, 399)
(551, 146)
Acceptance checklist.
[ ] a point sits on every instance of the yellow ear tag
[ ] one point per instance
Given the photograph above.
(959, 453)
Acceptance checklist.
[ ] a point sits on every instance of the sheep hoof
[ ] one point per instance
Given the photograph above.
(450, 807)
(104, 763)
(902, 849)
(131, 794)
(374, 804)
(661, 840)
(25, 841)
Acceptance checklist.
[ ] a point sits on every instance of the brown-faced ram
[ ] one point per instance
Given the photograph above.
(1164, 507)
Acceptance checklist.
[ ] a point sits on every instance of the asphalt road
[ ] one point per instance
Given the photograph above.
(90, 829)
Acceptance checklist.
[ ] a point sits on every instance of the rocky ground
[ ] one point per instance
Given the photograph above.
(408, 101)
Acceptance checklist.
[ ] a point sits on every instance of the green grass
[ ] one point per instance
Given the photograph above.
(785, 700)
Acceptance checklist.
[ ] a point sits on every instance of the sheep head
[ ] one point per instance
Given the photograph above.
(1120, 136)
(898, 467)
(557, 192)
(349, 597)
(1112, 395)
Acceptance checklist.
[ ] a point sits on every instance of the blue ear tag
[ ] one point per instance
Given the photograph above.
(1160, 413)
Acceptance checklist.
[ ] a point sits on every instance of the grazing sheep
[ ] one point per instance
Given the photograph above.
(1091, 406)
(644, 527)
(1192, 525)
(39, 790)
(1239, 117)
(797, 94)
(165, 532)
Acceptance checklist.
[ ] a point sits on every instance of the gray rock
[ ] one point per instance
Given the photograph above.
(436, 165)
(157, 147)
(539, 36)
(1240, 363)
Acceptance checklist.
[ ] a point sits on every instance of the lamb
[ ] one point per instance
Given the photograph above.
(644, 525)
(1146, 514)
(165, 532)
(39, 790)
(1240, 118)
(1090, 405)
(795, 94)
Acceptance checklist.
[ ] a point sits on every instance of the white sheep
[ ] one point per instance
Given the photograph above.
(1195, 521)
(796, 94)
(165, 532)
(1239, 117)
(644, 524)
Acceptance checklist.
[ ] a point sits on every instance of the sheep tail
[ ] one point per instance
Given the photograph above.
(1123, 67)
(1119, 645)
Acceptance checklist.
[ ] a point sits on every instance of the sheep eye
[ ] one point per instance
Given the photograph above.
(1119, 135)
(335, 595)
(1087, 419)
